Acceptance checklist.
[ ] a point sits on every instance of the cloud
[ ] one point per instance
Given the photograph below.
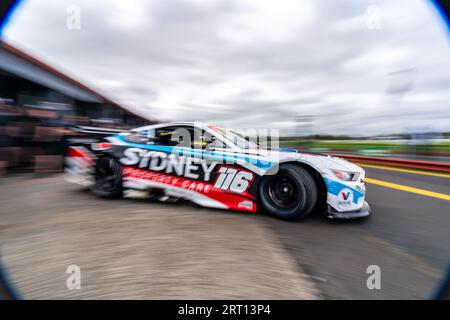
(253, 63)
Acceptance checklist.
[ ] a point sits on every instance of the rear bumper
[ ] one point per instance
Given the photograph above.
(365, 211)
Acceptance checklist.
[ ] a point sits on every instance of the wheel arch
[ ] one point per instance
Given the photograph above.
(315, 173)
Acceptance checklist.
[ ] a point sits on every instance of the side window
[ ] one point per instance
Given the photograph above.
(205, 140)
(208, 141)
(180, 136)
(174, 136)
(212, 142)
(200, 140)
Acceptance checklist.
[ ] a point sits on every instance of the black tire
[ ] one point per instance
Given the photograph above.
(108, 179)
(290, 194)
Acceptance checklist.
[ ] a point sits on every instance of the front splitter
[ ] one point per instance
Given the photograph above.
(365, 211)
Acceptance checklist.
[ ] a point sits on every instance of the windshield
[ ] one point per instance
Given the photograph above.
(241, 141)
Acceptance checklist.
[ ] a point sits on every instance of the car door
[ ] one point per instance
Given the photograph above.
(180, 160)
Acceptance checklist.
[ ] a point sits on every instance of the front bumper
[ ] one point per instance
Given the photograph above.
(365, 211)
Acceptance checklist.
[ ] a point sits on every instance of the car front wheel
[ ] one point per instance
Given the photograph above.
(289, 194)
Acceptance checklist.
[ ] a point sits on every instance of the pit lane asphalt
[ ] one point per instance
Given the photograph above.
(407, 236)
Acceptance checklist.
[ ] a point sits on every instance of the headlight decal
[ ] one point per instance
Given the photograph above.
(345, 175)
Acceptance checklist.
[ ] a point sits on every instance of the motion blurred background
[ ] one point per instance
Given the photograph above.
(356, 78)
(360, 77)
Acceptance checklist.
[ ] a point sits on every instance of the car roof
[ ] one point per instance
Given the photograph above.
(201, 125)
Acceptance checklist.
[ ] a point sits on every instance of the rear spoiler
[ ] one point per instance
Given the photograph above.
(98, 130)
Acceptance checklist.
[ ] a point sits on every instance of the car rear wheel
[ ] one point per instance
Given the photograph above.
(290, 194)
(108, 179)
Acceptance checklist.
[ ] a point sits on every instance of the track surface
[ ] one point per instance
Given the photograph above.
(407, 236)
(130, 249)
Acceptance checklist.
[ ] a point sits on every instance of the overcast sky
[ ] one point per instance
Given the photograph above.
(355, 67)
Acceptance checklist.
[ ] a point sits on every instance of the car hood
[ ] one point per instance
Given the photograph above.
(319, 161)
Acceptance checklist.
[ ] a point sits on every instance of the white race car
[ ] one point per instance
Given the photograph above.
(217, 168)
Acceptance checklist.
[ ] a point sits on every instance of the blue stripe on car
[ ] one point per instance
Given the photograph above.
(335, 187)
(214, 155)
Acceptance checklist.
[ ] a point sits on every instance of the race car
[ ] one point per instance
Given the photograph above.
(217, 168)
